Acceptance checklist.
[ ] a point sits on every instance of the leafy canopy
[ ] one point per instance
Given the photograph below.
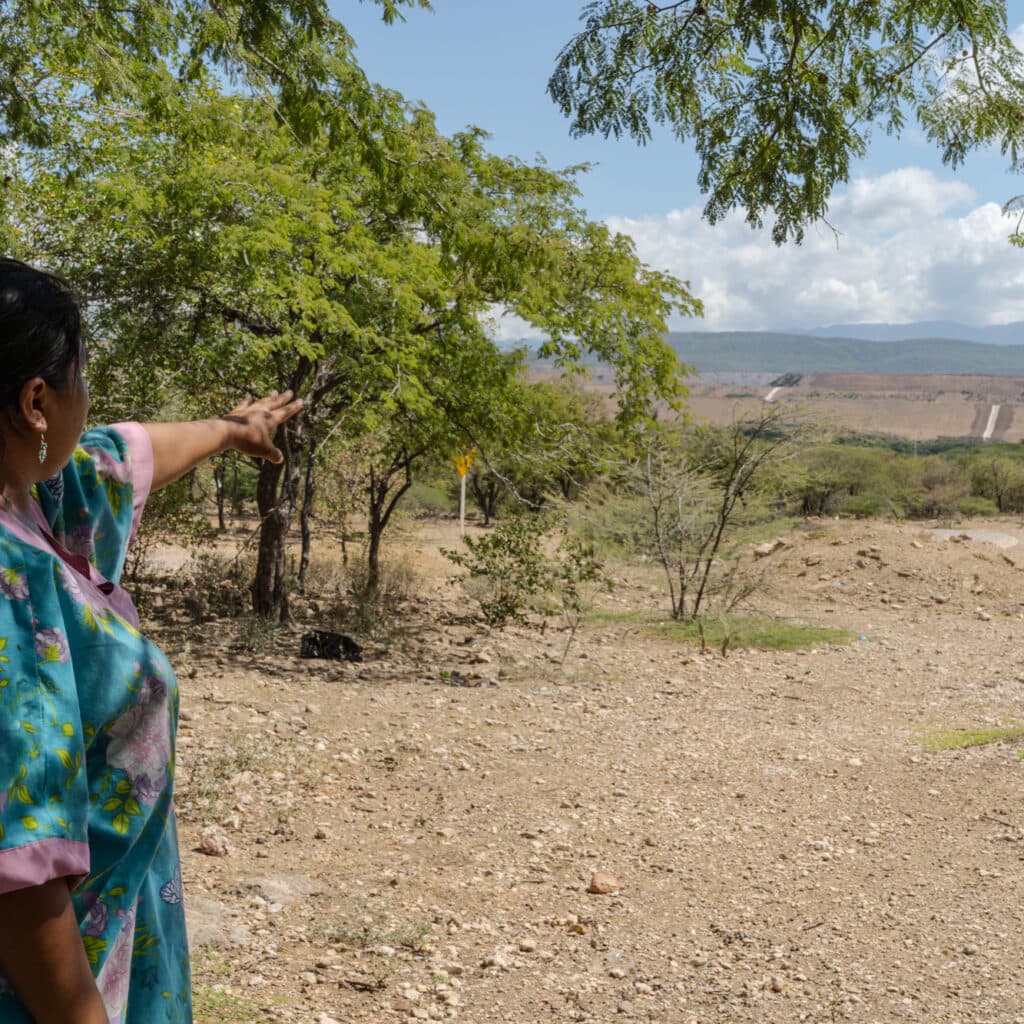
(291, 53)
(780, 96)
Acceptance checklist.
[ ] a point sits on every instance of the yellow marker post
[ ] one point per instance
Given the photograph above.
(462, 464)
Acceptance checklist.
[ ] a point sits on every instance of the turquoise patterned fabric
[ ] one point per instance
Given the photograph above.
(88, 714)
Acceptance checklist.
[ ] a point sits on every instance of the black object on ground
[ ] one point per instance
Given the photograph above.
(320, 643)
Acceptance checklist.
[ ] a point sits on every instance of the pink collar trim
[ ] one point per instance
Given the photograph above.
(101, 592)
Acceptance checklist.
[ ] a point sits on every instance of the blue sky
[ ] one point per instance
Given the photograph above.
(918, 240)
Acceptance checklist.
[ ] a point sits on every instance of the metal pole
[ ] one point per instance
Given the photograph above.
(462, 506)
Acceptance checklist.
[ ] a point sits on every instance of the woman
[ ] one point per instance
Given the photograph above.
(92, 927)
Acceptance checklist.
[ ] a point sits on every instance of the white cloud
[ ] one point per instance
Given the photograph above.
(912, 246)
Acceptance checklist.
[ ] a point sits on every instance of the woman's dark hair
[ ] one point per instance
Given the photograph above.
(40, 329)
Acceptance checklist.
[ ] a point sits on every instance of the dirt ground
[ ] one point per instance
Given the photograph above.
(383, 846)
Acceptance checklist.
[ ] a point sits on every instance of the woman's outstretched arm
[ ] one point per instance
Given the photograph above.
(249, 428)
(42, 955)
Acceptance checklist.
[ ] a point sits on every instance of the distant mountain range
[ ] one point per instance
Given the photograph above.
(762, 351)
(936, 346)
(1001, 334)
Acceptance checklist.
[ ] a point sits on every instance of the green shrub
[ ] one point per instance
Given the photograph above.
(428, 499)
(512, 562)
(867, 506)
(615, 522)
(975, 506)
(514, 572)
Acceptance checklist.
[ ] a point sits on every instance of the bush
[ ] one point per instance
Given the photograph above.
(867, 506)
(614, 521)
(975, 506)
(428, 499)
(217, 585)
(512, 564)
(513, 573)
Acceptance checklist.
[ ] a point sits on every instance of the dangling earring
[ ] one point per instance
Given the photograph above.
(43, 449)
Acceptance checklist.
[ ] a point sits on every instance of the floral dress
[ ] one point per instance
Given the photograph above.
(88, 712)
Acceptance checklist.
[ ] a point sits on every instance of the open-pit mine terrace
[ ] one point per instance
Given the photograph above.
(914, 406)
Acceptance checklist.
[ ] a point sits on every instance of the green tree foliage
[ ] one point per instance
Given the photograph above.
(221, 257)
(548, 445)
(522, 562)
(1000, 480)
(291, 53)
(780, 97)
(835, 475)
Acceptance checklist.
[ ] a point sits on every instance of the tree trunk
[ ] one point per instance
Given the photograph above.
(375, 528)
(382, 504)
(486, 491)
(306, 514)
(276, 490)
(219, 479)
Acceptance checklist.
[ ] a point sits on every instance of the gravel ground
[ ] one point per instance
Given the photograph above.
(369, 843)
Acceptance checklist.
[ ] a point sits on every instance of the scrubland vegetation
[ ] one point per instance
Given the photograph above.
(576, 503)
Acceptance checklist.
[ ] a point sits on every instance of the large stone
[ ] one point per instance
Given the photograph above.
(769, 547)
(214, 842)
(212, 925)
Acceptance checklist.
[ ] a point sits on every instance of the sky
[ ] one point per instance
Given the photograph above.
(916, 240)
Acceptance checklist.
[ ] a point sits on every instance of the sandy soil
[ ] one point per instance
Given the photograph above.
(396, 848)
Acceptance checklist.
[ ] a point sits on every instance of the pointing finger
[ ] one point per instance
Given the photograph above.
(286, 412)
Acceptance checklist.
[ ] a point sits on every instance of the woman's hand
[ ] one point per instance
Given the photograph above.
(249, 428)
(256, 422)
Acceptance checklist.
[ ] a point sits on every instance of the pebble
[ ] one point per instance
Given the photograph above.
(213, 841)
(527, 945)
(602, 883)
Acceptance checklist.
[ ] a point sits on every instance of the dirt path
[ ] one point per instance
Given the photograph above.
(402, 849)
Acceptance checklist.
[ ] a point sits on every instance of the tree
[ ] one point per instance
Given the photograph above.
(699, 489)
(546, 444)
(779, 97)
(218, 256)
(291, 54)
(1001, 479)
